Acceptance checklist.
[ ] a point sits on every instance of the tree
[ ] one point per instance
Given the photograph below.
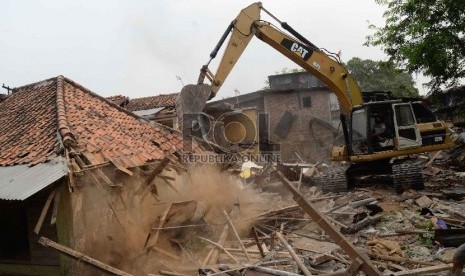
(382, 76)
(425, 36)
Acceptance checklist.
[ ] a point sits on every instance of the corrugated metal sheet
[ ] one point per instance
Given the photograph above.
(20, 182)
(147, 111)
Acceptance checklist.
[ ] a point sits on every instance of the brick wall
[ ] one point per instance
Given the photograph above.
(300, 138)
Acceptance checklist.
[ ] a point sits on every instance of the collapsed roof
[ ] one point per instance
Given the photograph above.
(42, 121)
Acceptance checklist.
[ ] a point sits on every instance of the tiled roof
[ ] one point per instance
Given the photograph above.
(38, 119)
(119, 100)
(152, 102)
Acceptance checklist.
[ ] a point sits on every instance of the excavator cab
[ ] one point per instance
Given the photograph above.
(383, 126)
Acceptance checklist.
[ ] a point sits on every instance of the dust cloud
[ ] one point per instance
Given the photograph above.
(115, 224)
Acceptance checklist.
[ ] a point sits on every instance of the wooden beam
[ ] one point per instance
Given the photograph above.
(158, 169)
(331, 231)
(220, 247)
(238, 238)
(296, 258)
(81, 257)
(104, 177)
(44, 212)
(56, 203)
(212, 256)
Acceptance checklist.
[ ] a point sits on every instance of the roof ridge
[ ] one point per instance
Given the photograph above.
(32, 84)
(63, 126)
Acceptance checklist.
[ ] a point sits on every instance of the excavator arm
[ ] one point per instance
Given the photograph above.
(298, 49)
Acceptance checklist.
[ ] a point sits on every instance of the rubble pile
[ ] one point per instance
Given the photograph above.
(272, 220)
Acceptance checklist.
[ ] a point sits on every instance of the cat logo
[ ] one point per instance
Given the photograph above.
(297, 48)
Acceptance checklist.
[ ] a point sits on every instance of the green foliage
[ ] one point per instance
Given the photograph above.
(382, 76)
(426, 36)
(427, 238)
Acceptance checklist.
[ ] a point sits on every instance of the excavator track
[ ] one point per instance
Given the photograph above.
(407, 174)
(336, 182)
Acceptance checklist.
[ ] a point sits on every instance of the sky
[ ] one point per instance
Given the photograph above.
(138, 48)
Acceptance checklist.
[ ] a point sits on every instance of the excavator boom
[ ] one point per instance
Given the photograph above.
(243, 28)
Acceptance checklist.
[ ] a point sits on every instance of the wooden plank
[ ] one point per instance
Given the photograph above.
(296, 258)
(56, 203)
(81, 257)
(220, 247)
(238, 238)
(153, 241)
(44, 212)
(212, 256)
(331, 231)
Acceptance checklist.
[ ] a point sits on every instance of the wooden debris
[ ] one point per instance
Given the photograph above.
(276, 272)
(82, 257)
(362, 202)
(56, 203)
(296, 258)
(153, 241)
(44, 212)
(319, 219)
(257, 241)
(158, 169)
(238, 238)
(399, 259)
(423, 270)
(360, 225)
(220, 247)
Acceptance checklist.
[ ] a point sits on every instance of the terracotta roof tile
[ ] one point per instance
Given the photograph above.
(38, 119)
(162, 100)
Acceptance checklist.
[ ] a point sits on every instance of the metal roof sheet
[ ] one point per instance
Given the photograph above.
(147, 111)
(21, 181)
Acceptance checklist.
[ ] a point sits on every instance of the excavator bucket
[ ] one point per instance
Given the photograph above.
(192, 100)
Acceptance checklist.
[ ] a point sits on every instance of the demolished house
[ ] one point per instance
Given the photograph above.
(160, 108)
(450, 104)
(72, 166)
(298, 116)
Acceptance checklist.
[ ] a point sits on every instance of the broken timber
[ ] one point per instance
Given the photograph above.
(324, 224)
(82, 257)
(44, 212)
(158, 169)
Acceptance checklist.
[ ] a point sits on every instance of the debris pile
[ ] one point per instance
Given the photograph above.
(273, 220)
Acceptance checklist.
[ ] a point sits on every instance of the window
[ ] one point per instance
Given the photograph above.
(306, 101)
(359, 132)
(404, 115)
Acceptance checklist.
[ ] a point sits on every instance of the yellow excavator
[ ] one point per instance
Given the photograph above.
(380, 132)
